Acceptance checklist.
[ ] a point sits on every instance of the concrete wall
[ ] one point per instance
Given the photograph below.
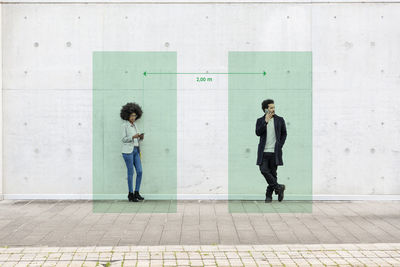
(47, 82)
(1, 110)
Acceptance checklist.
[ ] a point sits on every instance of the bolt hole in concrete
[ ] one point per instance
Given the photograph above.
(68, 44)
(35, 44)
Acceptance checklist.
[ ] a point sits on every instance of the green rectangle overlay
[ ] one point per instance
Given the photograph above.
(288, 81)
(118, 78)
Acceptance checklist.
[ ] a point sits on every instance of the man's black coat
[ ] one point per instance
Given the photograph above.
(280, 133)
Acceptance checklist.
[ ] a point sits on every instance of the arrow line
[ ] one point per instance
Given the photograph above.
(257, 73)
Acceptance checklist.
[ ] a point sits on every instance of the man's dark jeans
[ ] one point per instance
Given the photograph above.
(268, 169)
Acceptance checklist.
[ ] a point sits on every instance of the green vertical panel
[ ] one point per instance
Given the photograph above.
(118, 78)
(288, 81)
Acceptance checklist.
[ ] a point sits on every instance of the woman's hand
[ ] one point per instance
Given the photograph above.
(141, 136)
(136, 136)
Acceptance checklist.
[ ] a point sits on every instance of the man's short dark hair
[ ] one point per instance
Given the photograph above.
(265, 103)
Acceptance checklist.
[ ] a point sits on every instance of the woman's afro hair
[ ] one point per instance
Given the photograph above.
(130, 108)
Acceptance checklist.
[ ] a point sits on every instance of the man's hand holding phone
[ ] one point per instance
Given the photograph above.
(268, 115)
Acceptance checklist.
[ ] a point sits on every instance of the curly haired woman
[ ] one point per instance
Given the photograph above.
(130, 113)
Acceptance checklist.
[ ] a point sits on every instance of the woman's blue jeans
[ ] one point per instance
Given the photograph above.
(133, 159)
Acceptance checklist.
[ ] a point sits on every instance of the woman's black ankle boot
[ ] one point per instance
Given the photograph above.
(138, 196)
(132, 197)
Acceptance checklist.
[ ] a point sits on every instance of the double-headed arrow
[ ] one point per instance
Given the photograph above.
(257, 73)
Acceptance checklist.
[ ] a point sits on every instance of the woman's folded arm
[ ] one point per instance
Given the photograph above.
(125, 137)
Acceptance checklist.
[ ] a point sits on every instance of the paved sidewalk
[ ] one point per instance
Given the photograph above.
(73, 223)
(218, 255)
